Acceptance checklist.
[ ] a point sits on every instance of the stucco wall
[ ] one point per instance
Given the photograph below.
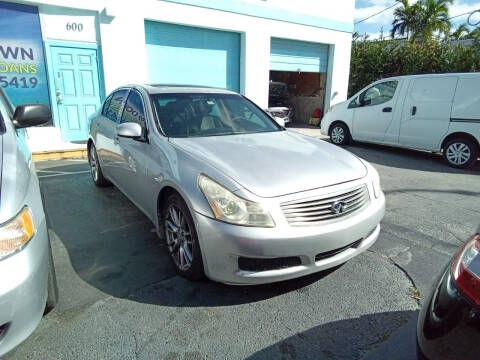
(121, 34)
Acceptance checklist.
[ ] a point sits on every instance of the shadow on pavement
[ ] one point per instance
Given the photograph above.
(407, 159)
(113, 247)
(344, 339)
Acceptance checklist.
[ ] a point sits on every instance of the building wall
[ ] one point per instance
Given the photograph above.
(120, 34)
(124, 53)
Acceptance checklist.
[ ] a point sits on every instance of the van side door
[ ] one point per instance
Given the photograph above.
(374, 111)
(426, 111)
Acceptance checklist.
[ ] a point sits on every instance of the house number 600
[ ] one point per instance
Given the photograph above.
(74, 27)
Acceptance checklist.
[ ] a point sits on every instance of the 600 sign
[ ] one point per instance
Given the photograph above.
(17, 82)
(74, 27)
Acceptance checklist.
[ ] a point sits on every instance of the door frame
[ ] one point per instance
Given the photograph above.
(51, 76)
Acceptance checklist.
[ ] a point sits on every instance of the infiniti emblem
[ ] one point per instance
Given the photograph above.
(337, 207)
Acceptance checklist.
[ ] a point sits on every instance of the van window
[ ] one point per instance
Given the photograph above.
(379, 93)
(353, 103)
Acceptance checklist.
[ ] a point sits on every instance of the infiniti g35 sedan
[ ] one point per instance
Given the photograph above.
(28, 285)
(234, 195)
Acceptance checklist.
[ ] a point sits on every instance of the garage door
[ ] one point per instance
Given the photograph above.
(194, 56)
(292, 55)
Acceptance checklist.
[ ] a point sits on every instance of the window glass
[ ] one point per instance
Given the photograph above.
(379, 93)
(187, 115)
(106, 104)
(353, 103)
(115, 106)
(133, 110)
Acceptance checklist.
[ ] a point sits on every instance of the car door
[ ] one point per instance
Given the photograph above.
(108, 149)
(374, 111)
(133, 155)
(426, 111)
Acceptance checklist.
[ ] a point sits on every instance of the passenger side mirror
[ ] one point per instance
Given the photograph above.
(130, 130)
(31, 115)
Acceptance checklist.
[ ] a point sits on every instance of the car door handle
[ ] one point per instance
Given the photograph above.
(414, 110)
(387, 109)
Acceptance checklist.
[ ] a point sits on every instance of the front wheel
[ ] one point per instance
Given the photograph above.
(339, 134)
(52, 287)
(181, 238)
(460, 153)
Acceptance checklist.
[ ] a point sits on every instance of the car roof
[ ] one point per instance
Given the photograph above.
(184, 89)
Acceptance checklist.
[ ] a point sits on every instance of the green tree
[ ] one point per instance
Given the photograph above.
(461, 32)
(434, 17)
(406, 20)
(421, 20)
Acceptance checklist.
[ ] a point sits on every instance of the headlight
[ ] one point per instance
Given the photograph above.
(15, 233)
(230, 208)
(377, 189)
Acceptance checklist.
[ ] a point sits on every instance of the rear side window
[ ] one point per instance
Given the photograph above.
(133, 110)
(115, 105)
(379, 93)
(106, 104)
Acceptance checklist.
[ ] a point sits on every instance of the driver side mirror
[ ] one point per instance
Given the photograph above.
(130, 130)
(31, 115)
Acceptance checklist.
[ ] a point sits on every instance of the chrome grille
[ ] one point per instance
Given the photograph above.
(318, 209)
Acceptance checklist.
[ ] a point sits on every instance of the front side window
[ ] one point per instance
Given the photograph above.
(353, 103)
(116, 105)
(379, 93)
(190, 115)
(133, 110)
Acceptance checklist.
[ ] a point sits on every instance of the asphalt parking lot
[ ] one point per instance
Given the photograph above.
(121, 299)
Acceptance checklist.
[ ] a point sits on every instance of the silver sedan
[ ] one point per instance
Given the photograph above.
(234, 195)
(27, 276)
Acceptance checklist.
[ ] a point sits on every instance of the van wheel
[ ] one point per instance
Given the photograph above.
(460, 153)
(339, 134)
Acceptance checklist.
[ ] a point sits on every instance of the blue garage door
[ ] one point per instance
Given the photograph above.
(292, 55)
(194, 56)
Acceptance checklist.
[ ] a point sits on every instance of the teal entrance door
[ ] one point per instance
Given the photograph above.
(77, 90)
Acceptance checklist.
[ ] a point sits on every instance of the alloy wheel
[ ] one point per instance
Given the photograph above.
(93, 164)
(179, 238)
(458, 153)
(338, 135)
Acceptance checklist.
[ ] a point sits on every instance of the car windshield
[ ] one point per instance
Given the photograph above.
(190, 115)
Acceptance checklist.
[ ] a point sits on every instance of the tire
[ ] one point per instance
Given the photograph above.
(460, 153)
(52, 287)
(97, 174)
(339, 134)
(184, 250)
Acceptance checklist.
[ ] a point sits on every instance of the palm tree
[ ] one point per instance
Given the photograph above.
(461, 32)
(406, 19)
(435, 17)
(422, 19)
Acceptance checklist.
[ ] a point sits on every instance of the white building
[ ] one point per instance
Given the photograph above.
(73, 53)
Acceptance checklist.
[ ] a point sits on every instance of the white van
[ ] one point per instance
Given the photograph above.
(434, 112)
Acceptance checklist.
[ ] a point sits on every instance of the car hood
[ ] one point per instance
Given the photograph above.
(275, 163)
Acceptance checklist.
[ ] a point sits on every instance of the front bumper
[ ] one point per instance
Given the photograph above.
(23, 290)
(223, 244)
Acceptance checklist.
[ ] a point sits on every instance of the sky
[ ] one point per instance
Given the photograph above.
(373, 26)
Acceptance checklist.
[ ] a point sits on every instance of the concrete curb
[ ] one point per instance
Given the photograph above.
(60, 154)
